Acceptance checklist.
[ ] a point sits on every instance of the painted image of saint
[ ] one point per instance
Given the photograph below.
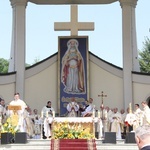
(73, 73)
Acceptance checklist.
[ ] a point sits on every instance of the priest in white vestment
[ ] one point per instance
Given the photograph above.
(18, 102)
(139, 115)
(146, 113)
(115, 123)
(123, 125)
(36, 118)
(130, 121)
(72, 108)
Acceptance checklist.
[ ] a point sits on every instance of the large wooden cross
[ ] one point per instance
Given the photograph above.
(74, 26)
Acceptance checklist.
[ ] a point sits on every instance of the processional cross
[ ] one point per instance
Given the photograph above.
(74, 26)
(102, 105)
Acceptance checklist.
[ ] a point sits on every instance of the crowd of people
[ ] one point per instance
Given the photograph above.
(28, 121)
(112, 119)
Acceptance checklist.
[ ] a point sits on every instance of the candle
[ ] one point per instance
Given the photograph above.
(41, 114)
(53, 114)
(130, 108)
(98, 114)
(105, 114)
(93, 113)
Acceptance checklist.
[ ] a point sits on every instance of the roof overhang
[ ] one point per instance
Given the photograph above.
(59, 2)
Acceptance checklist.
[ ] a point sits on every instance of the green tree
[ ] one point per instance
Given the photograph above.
(4, 65)
(144, 56)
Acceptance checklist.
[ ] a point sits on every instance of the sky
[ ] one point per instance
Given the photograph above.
(42, 41)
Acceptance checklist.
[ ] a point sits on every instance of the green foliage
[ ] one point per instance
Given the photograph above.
(4, 65)
(144, 58)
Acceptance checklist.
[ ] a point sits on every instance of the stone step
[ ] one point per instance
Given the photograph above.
(40, 144)
(117, 147)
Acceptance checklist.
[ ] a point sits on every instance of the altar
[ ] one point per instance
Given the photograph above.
(85, 123)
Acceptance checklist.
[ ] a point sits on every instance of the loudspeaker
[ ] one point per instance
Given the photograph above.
(21, 137)
(110, 137)
(96, 135)
(7, 138)
(130, 137)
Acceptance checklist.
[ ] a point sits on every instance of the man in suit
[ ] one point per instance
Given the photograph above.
(142, 137)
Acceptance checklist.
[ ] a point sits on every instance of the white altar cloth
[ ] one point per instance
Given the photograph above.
(75, 119)
(82, 120)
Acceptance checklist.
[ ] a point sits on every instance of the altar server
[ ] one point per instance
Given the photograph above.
(47, 114)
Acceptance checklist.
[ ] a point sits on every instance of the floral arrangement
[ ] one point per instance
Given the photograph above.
(10, 126)
(76, 131)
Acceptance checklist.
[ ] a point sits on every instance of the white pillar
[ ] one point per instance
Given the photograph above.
(130, 55)
(17, 58)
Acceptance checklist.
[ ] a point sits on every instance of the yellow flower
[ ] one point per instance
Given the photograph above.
(5, 125)
(66, 131)
(9, 126)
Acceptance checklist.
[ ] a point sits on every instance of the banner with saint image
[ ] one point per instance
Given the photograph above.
(73, 70)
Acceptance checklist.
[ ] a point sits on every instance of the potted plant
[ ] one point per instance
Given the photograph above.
(8, 130)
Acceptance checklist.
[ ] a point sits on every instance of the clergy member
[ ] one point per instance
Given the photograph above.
(3, 111)
(47, 115)
(146, 113)
(18, 102)
(139, 115)
(115, 123)
(72, 108)
(90, 109)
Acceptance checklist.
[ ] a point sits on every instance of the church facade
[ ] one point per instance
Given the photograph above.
(39, 83)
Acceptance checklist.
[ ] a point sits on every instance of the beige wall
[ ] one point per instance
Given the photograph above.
(111, 85)
(41, 88)
(140, 92)
(41, 84)
(7, 92)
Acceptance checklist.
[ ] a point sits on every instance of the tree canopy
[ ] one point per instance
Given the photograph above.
(144, 56)
(4, 65)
